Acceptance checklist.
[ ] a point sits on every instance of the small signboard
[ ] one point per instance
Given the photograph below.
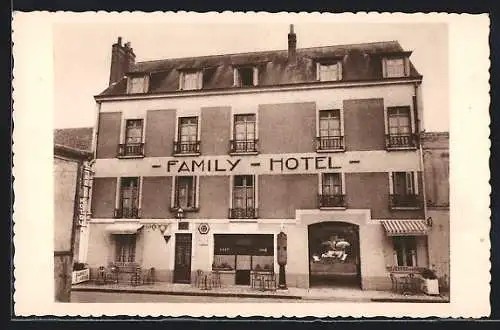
(203, 228)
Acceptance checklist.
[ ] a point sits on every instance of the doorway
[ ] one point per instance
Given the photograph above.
(182, 265)
(334, 254)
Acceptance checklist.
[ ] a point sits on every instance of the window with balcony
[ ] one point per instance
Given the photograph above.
(185, 193)
(243, 198)
(330, 133)
(125, 248)
(190, 80)
(133, 146)
(331, 191)
(187, 139)
(404, 192)
(244, 134)
(400, 129)
(395, 67)
(128, 203)
(329, 71)
(246, 76)
(405, 251)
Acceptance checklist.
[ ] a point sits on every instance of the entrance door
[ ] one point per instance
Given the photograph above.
(182, 266)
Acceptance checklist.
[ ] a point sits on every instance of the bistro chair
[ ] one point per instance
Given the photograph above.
(257, 281)
(111, 274)
(394, 282)
(270, 281)
(216, 283)
(135, 278)
(101, 275)
(198, 278)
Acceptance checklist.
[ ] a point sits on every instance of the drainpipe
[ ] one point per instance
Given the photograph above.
(420, 133)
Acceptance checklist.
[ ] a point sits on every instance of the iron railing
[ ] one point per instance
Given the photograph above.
(243, 146)
(332, 200)
(412, 201)
(243, 213)
(408, 140)
(330, 143)
(127, 213)
(186, 147)
(131, 150)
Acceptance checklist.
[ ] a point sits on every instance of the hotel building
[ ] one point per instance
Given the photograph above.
(202, 161)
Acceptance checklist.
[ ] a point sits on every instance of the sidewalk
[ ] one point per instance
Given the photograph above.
(313, 294)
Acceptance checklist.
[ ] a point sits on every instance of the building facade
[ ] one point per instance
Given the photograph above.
(68, 174)
(436, 159)
(202, 161)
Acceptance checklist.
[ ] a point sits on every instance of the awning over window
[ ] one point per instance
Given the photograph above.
(123, 228)
(405, 227)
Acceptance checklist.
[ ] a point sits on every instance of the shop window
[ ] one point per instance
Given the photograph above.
(399, 126)
(240, 252)
(405, 251)
(129, 198)
(125, 248)
(330, 133)
(244, 140)
(187, 139)
(185, 193)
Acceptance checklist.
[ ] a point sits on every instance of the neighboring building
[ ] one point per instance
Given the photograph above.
(223, 152)
(437, 181)
(68, 169)
(80, 140)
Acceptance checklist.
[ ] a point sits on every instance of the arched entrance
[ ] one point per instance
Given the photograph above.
(334, 254)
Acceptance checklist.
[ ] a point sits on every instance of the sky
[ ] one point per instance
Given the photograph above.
(82, 55)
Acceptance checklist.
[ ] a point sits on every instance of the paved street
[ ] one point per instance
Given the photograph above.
(113, 297)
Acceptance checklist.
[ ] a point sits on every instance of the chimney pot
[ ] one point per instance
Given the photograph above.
(119, 41)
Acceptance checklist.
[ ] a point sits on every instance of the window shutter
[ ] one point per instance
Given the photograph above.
(339, 70)
(409, 182)
(406, 62)
(235, 77)
(255, 76)
(391, 183)
(200, 79)
(415, 183)
(181, 80)
(384, 68)
(318, 67)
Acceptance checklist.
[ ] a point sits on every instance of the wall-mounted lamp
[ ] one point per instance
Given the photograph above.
(180, 213)
(163, 228)
(429, 221)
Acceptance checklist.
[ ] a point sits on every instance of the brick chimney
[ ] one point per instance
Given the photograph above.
(292, 45)
(122, 60)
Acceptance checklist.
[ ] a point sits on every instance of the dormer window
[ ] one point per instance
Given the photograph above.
(395, 67)
(329, 71)
(191, 80)
(246, 76)
(137, 84)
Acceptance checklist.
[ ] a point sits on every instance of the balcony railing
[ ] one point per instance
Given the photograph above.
(243, 146)
(127, 213)
(186, 147)
(131, 150)
(396, 141)
(405, 201)
(331, 201)
(329, 143)
(243, 213)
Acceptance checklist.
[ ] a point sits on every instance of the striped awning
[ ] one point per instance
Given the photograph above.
(123, 228)
(405, 227)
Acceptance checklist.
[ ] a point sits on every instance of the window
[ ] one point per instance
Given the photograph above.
(405, 250)
(330, 135)
(137, 85)
(187, 136)
(125, 248)
(246, 76)
(185, 192)
(190, 80)
(243, 197)
(244, 134)
(331, 190)
(399, 126)
(404, 190)
(243, 252)
(129, 198)
(330, 71)
(395, 67)
(133, 145)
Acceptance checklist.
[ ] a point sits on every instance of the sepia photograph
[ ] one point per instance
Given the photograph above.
(282, 162)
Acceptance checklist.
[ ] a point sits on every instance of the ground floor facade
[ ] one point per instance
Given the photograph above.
(324, 247)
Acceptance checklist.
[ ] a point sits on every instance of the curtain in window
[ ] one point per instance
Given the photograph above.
(395, 67)
(329, 123)
(243, 192)
(190, 80)
(129, 193)
(405, 249)
(188, 130)
(137, 85)
(125, 248)
(244, 127)
(185, 192)
(399, 121)
(403, 183)
(332, 184)
(133, 131)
